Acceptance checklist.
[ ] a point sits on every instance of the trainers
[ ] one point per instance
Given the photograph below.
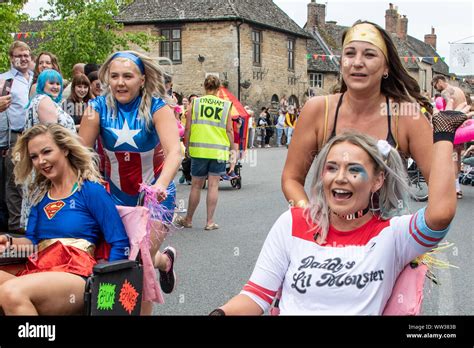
(232, 175)
(168, 279)
(182, 179)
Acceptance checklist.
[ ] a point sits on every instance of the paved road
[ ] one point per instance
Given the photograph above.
(213, 266)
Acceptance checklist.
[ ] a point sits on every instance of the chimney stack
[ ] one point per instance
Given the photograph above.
(391, 19)
(402, 28)
(430, 39)
(316, 15)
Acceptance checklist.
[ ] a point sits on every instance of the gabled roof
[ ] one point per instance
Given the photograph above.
(332, 36)
(260, 12)
(319, 46)
(425, 50)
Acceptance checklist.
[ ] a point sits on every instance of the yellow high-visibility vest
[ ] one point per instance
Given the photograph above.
(209, 128)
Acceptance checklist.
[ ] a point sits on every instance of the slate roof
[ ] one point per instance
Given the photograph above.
(425, 50)
(314, 46)
(261, 12)
(332, 35)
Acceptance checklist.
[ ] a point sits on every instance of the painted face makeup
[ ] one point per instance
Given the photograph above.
(348, 179)
(358, 172)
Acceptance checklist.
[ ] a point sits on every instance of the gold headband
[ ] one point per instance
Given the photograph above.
(368, 33)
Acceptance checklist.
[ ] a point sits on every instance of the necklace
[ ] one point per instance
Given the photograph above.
(74, 188)
(353, 216)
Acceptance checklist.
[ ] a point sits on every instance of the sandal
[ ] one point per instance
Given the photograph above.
(211, 227)
(181, 221)
(459, 194)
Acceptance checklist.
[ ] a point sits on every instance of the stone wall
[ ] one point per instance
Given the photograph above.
(217, 43)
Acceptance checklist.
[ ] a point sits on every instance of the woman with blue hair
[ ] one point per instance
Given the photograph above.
(44, 108)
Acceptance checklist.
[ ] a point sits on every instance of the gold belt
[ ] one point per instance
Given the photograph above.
(81, 244)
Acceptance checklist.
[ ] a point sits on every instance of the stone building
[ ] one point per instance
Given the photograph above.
(327, 40)
(253, 46)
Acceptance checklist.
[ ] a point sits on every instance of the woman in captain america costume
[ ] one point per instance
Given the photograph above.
(141, 142)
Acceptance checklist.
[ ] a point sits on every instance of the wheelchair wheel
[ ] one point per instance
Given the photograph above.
(236, 183)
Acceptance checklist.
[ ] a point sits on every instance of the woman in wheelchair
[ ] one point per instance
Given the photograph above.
(343, 254)
(71, 212)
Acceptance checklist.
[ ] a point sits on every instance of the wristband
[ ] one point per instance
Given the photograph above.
(217, 313)
(443, 136)
(9, 242)
(300, 204)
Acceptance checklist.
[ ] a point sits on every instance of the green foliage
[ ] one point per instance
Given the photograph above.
(10, 19)
(84, 31)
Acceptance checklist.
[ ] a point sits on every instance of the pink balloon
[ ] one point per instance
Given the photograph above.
(465, 133)
(440, 103)
(180, 128)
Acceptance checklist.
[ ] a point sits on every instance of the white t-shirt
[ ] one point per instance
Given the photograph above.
(251, 121)
(352, 274)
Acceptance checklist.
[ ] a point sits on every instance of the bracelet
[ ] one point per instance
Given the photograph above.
(9, 240)
(217, 313)
(300, 204)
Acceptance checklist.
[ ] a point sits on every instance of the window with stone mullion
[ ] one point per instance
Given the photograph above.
(257, 47)
(171, 44)
(291, 54)
(316, 80)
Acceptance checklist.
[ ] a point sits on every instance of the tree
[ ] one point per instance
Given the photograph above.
(10, 19)
(85, 31)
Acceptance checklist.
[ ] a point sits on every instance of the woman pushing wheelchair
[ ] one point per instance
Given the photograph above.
(71, 213)
(344, 252)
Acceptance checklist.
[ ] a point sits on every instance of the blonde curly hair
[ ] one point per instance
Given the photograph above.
(83, 160)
